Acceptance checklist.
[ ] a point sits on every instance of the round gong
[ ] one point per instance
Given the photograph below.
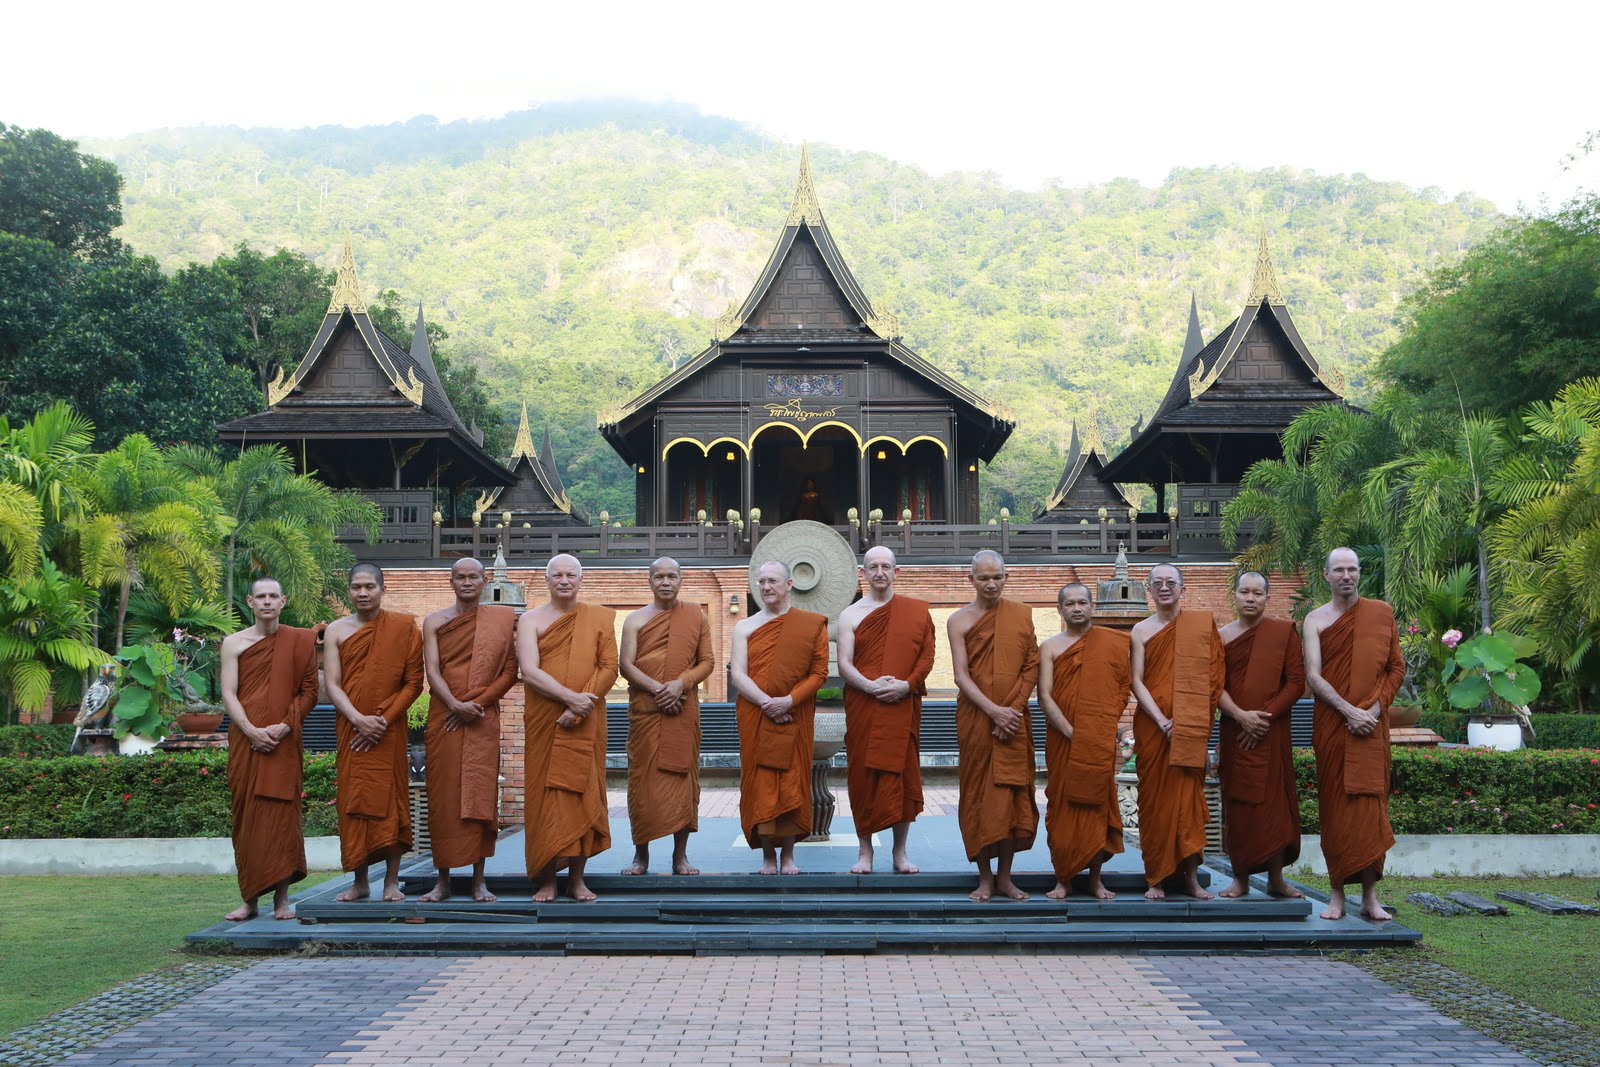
(819, 561)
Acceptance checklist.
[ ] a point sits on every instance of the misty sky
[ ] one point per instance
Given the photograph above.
(1466, 97)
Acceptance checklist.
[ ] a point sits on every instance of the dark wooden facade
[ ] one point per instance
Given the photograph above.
(1082, 493)
(364, 413)
(1227, 407)
(806, 405)
(538, 498)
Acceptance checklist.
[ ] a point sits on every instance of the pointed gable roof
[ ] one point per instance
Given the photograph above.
(1255, 375)
(538, 489)
(1081, 489)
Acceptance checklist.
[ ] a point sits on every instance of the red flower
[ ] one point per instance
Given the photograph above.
(204, 770)
(127, 796)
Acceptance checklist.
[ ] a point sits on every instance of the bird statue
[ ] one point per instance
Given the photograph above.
(95, 710)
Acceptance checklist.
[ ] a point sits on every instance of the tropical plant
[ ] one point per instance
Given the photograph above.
(158, 680)
(48, 455)
(46, 638)
(281, 524)
(151, 620)
(1489, 666)
(149, 527)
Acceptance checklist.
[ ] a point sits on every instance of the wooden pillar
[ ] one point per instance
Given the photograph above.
(747, 483)
(863, 486)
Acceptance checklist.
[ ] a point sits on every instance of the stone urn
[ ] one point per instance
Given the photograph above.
(1404, 715)
(199, 722)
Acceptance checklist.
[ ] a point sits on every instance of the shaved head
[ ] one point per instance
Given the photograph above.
(255, 585)
(987, 555)
(366, 568)
(1176, 573)
(1072, 587)
(665, 561)
(564, 559)
(877, 552)
(465, 564)
(778, 563)
(1266, 586)
(1328, 564)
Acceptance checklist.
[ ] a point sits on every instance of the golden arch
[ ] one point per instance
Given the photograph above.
(705, 447)
(806, 434)
(905, 446)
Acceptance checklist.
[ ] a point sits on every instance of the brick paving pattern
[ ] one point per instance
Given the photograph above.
(710, 1011)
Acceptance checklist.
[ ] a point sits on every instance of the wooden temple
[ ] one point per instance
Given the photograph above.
(1082, 495)
(806, 404)
(538, 497)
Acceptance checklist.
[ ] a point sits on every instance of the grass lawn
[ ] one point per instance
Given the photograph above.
(64, 939)
(1551, 961)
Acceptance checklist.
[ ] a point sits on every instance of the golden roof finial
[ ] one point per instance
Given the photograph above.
(1264, 286)
(806, 209)
(523, 446)
(346, 289)
(1091, 434)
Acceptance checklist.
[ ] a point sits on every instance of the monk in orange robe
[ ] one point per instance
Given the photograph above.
(1179, 667)
(269, 682)
(1084, 682)
(568, 653)
(666, 654)
(1266, 675)
(1355, 667)
(469, 652)
(995, 659)
(886, 646)
(779, 661)
(373, 669)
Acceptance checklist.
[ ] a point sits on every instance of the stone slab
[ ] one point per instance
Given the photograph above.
(1479, 855)
(140, 855)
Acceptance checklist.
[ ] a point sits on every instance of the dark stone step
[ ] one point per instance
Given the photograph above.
(416, 881)
(1545, 902)
(1436, 904)
(1476, 903)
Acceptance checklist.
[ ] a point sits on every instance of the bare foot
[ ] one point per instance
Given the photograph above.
(863, 861)
(905, 866)
(681, 865)
(636, 867)
(789, 867)
(439, 892)
(353, 893)
(1335, 908)
(480, 893)
(579, 892)
(1098, 888)
(283, 911)
(985, 889)
(769, 867)
(1376, 912)
(392, 894)
(1009, 888)
(1240, 887)
(1059, 892)
(242, 913)
(546, 893)
(1198, 891)
(1155, 892)
(1277, 887)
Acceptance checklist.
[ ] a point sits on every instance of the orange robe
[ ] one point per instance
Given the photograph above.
(996, 803)
(565, 768)
(381, 672)
(277, 683)
(884, 768)
(788, 655)
(1361, 660)
(478, 661)
(1089, 683)
(1185, 666)
(664, 750)
(1260, 807)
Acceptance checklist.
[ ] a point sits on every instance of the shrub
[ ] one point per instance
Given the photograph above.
(164, 794)
(1480, 791)
(45, 739)
(1551, 729)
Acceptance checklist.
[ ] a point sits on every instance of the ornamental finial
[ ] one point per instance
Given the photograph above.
(346, 289)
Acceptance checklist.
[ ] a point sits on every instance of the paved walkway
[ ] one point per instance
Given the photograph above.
(400, 1012)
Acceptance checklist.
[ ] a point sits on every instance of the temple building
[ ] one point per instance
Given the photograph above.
(364, 413)
(1082, 492)
(1227, 407)
(806, 405)
(538, 498)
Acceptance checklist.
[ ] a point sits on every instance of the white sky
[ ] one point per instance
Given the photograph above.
(1464, 96)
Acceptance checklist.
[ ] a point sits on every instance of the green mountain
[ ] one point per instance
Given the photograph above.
(575, 253)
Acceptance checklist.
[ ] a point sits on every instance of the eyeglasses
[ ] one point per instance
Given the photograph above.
(1165, 584)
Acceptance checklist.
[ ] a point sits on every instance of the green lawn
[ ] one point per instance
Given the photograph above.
(65, 939)
(1551, 961)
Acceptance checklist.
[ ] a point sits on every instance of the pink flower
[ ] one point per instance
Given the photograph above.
(1451, 638)
(178, 633)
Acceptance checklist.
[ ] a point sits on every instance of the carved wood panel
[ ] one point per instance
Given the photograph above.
(349, 370)
(803, 294)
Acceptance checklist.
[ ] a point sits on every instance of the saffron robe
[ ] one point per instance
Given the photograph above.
(1090, 681)
(1185, 666)
(664, 750)
(277, 683)
(565, 768)
(787, 656)
(883, 769)
(1260, 806)
(478, 661)
(1361, 660)
(381, 672)
(996, 804)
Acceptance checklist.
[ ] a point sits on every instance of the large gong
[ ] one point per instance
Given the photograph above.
(819, 561)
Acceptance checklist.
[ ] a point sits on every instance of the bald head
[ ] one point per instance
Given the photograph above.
(1072, 590)
(1251, 578)
(564, 561)
(371, 569)
(1343, 572)
(1345, 556)
(775, 567)
(987, 557)
(466, 565)
(878, 552)
(1164, 572)
(666, 563)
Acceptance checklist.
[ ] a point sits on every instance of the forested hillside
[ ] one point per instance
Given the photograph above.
(575, 253)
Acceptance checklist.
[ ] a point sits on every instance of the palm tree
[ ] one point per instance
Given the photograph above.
(149, 527)
(280, 523)
(44, 458)
(46, 642)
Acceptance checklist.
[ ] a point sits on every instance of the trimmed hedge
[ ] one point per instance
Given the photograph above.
(46, 739)
(1479, 791)
(1552, 729)
(164, 794)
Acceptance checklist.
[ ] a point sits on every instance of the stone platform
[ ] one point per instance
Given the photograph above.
(727, 909)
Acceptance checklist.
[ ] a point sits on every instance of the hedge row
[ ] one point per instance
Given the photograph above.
(1480, 791)
(49, 739)
(164, 794)
(1551, 729)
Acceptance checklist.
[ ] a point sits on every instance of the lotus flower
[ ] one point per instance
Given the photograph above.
(1451, 639)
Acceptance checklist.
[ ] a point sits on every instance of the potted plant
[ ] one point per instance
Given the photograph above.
(1489, 681)
(1422, 652)
(157, 687)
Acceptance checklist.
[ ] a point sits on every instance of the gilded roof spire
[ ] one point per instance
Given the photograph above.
(806, 209)
(1264, 286)
(346, 289)
(1091, 436)
(523, 446)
